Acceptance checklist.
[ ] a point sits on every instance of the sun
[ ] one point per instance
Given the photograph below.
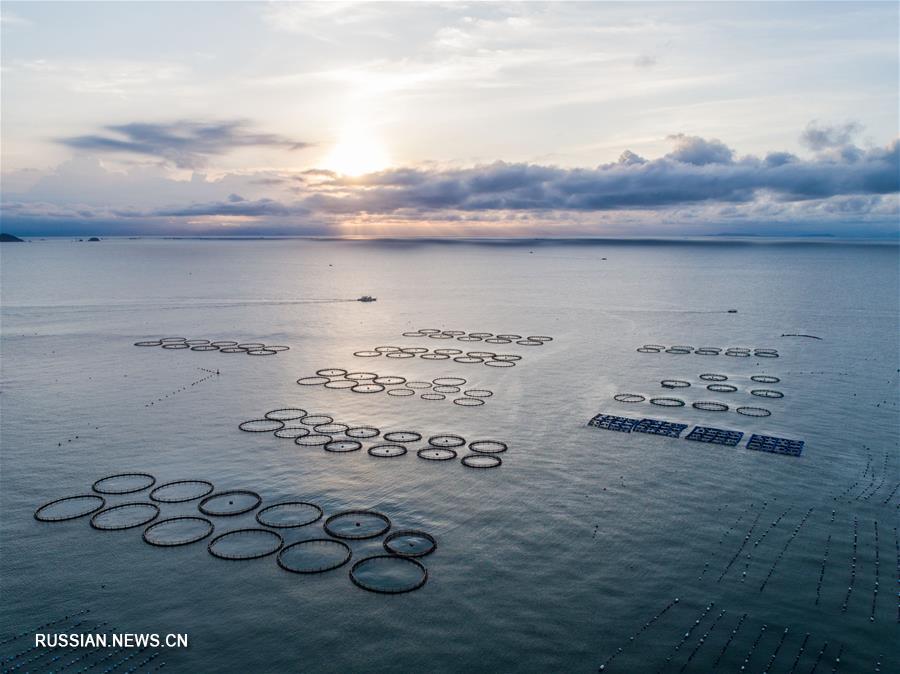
(358, 151)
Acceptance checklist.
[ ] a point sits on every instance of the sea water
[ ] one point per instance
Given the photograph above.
(550, 562)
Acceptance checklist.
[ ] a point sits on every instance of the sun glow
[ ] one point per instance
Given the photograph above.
(358, 151)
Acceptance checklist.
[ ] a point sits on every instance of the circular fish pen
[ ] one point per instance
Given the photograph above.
(764, 379)
(721, 388)
(674, 383)
(261, 425)
(357, 525)
(125, 516)
(362, 432)
(388, 574)
(481, 461)
(316, 419)
(387, 451)
(343, 446)
(488, 446)
(313, 440)
(242, 544)
(123, 483)
(331, 372)
(401, 392)
(175, 531)
(479, 393)
(667, 402)
(629, 398)
(181, 491)
(315, 555)
(285, 414)
(289, 515)
(402, 436)
(766, 393)
(410, 543)
(753, 411)
(468, 402)
(436, 454)
(291, 432)
(709, 376)
(710, 406)
(230, 503)
(69, 508)
(446, 440)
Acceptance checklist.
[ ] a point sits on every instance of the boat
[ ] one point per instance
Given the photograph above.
(367, 298)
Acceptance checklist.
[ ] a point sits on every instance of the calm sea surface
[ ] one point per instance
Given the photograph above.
(551, 562)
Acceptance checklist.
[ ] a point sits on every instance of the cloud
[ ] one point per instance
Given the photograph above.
(699, 151)
(186, 144)
(818, 137)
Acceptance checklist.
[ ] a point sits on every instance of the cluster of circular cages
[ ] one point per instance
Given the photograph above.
(396, 571)
(223, 346)
(488, 358)
(372, 382)
(717, 387)
(734, 352)
(486, 337)
(321, 430)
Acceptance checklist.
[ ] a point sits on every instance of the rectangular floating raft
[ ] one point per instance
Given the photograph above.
(658, 427)
(613, 423)
(768, 443)
(715, 436)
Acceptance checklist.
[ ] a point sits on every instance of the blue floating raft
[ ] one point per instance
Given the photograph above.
(658, 427)
(613, 423)
(715, 436)
(768, 443)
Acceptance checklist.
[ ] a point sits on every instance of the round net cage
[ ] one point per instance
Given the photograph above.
(482, 354)
(446, 389)
(291, 432)
(468, 338)
(706, 352)
(367, 354)
(764, 379)
(123, 483)
(454, 333)
(512, 357)
(69, 508)
(440, 335)
(252, 345)
(125, 516)
(479, 393)
(173, 340)
(400, 354)
(315, 555)
(390, 381)
(468, 402)
(149, 343)
(674, 383)
(224, 342)
(232, 349)
(243, 544)
(499, 363)
(313, 440)
(176, 531)
(402, 437)
(388, 574)
(721, 388)
(529, 342)
(754, 411)
(448, 381)
(289, 514)
(667, 402)
(737, 354)
(285, 414)
(361, 376)
(436, 454)
(261, 352)
(401, 392)
(341, 446)
(341, 383)
(230, 503)
(677, 351)
(413, 333)
(433, 396)
(261, 425)
(488, 446)
(509, 337)
(313, 381)
(410, 543)
(765, 354)
(176, 346)
(766, 393)
(647, 349)
(710, 406)
(629, 398)
(331, 372)
(181, 491)
(446, 440)
(368, 388)
(481, 461)
(386, 349)
(196, 342)
(434, 356)
(362, 432)
(708, 376)
(429, 331)
(278, 348)
(357, 524)
(448, 352)
(387, 451)
(482, 335)
(205, 347)
(418, 384)
(497, 340)
(468, 359)
(316, 419)
(415, 349)
(539, 338)
(331, 429)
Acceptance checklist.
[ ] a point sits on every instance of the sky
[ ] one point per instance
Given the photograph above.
(450, 119)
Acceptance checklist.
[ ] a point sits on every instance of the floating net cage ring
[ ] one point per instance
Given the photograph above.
(342, 446)
(276, 545)
(204, 484)
(674, 383)
(312, 440)
(330, 429)
(149, 343)
(539, 338)
(448, 381)
(709, 376)
(446, 389)
(171, 340)
(176, 345)
(358, 567)
(629, 397)
(196, 342)
(315, 514)
(435, 356)
(225, 342)
(436, 454)
(468, 402)
(367, 354)
(645, 349)
(488, 446)
(147, 481)
(162, 524)
(387, 349)
(313, 381)
(710, 406)
(341, 548)
(479, 393)
(97, 518)
(97, 503)
(285, 414)
(291, 432)
(316, 419)
(232, 492)
(754, 411)
(765, 354)
(767, 393)
(400, 354)
(331, 372)
(393, 543)
(667, 402)
(340, 383)
(764, 379)
(721, 388)
(364, 534)
(361, 376)
(205, 347)
(232, 349)
(401, 392)
(368, 388)
(418, 384)
(402, 436)
(507, 356)
(387, 451)
(481, 461)
(362, 432)
(446, 440)
(499, 363)
(261, 425)
(433, 396)
(252, 345)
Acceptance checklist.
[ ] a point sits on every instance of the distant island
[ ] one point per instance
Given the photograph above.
(93, 238)
(9, 238)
